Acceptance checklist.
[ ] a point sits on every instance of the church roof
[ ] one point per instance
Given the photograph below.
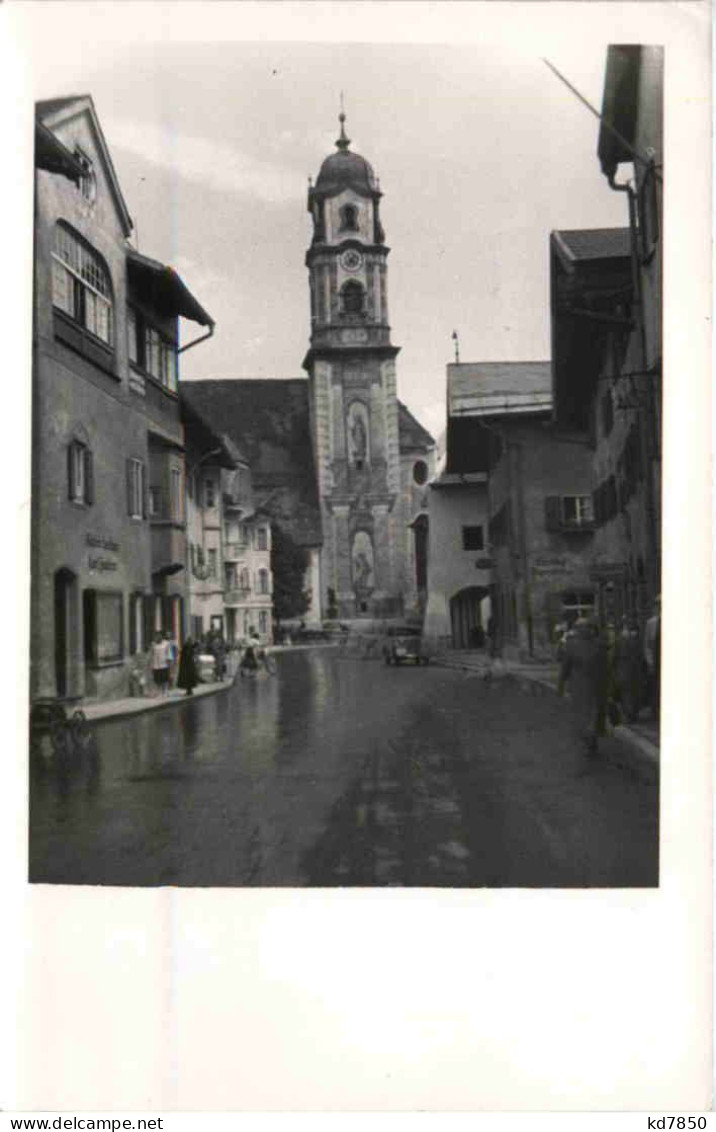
(269, 422)
(411, 433)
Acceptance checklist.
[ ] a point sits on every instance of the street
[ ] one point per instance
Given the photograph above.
(340, 771)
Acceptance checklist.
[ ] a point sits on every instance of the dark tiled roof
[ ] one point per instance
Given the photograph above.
(269, 421)
(410, 431)
(472, 384)
(587, 244)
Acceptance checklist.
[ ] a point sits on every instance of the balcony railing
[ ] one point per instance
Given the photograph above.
(234, 550)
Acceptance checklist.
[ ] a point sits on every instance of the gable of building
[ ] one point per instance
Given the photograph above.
(60, 116)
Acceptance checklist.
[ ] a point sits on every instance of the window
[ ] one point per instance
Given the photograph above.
(103, 621)
(262, 539)
(80, 284)
(135, 489)
(473, 538)
(568, 512)
(245, 580)
(349, 218)
(176, 502)
(576, 605)
(80, 485)
(211, 563)
(150, 351)
(263, 622)
(352, 298)
(232, 578)
(155, 502)
(88, 180)
(607, 412)
(209, 493)
(577, 510)
(263, 581)
(420, 472)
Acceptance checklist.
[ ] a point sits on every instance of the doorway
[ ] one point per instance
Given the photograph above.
(468, 631)
(66, 632)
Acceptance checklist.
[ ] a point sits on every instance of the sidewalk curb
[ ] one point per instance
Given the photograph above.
(147, 704)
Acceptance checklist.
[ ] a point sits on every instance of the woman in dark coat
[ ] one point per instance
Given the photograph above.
(585, 670)
(188, 677)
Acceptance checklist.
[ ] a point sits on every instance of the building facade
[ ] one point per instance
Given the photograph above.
(107, 554)
(369, 483)
(606, 331)
(511, 515)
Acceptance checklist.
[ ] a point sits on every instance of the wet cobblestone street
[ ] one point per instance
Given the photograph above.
(344, 772)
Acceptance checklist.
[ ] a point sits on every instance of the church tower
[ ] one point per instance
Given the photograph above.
(354, 407)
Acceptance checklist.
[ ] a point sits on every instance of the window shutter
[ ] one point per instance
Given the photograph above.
(129, 486)
(70, 476)
(89, 476)
(552, 512)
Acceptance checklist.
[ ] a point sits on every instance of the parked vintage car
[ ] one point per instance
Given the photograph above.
(405, 645)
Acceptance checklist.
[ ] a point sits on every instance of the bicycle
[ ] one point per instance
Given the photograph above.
(261, 659)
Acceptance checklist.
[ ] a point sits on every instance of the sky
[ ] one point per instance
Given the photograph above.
(480, 151)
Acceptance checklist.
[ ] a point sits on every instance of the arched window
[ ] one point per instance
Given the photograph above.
(349, 218)
(352, 298)
(420, 472)
(80, 284)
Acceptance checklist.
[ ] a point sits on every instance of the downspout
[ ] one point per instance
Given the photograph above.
(646, 427)
(201, 338)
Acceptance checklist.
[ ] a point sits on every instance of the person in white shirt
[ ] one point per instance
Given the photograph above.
(161, 660)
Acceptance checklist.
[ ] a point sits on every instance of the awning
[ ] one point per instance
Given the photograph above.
(163, 288)
(167, 569)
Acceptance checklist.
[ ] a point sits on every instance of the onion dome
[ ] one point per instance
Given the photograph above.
(345, 169)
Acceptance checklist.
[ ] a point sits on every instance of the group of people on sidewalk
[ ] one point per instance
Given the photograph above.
(174, 667)
(605, 676)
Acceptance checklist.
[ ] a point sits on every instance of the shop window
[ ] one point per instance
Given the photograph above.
(80, 479)
(80, 284)
(137, 505)
(150, 351)
(103, 627)
(473, 538)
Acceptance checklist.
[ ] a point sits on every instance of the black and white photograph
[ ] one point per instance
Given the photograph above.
(346, 530)
(365, 424)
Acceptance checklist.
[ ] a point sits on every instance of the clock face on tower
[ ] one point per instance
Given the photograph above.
(351, 260)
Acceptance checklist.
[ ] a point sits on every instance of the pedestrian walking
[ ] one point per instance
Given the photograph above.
(160, 664)
(188, 676)
(652, 657)
(628, 670)
(585, 670)
(173, 658)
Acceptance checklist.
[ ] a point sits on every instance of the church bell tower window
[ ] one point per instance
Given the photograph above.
(352, 299)
(349, 218)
